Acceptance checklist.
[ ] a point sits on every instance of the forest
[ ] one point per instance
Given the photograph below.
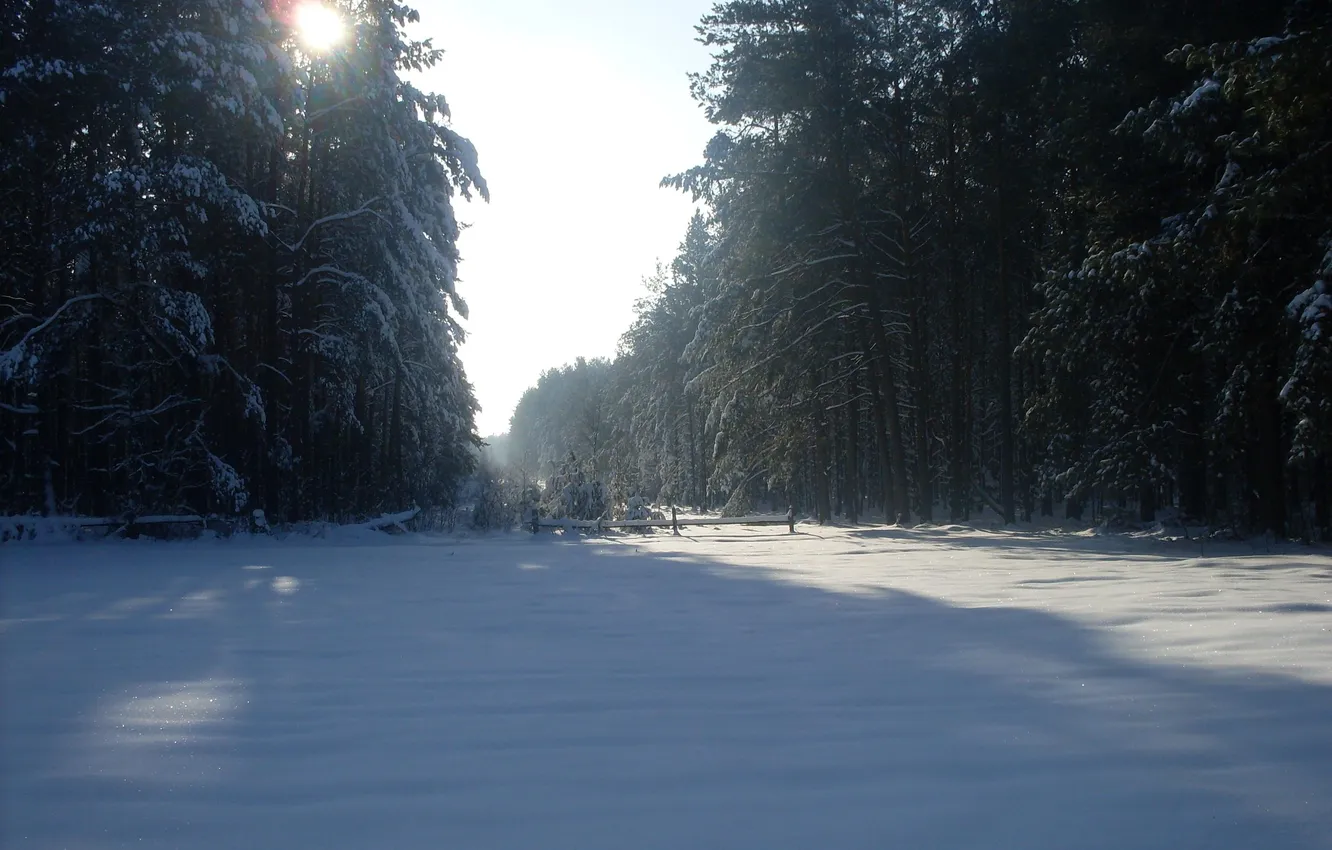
(1039, 257)
(227, 264)
(1034, 257)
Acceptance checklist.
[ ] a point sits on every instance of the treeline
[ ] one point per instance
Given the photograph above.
(227, 263)
(1040, 255)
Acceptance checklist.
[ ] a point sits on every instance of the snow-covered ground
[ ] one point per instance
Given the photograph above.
(731, 688)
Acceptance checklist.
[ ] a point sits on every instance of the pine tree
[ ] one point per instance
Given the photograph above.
(233, 265)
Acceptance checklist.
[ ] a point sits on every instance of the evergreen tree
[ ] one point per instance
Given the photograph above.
(231, 266)
(937, 260)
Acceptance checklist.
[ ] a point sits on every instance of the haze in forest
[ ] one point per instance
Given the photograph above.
(578, 110)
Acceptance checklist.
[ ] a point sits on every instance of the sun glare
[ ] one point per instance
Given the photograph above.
(318, 26)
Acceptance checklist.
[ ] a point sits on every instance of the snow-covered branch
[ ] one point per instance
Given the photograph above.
(363, 209)
(124, 413)
(391, 520)
(330, 270)
(9, 360)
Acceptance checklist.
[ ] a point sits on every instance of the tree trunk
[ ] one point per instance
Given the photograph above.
(822, 496)
(1005, 355)
(897, 456)
(881, 437)
(852, 475)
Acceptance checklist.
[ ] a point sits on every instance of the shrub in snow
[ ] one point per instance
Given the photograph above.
(739, 504)
(637, 508)
(574, 493)
(492, 498)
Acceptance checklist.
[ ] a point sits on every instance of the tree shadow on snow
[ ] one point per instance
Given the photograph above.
(552, 693)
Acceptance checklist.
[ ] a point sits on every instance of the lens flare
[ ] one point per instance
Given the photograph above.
(318, 26)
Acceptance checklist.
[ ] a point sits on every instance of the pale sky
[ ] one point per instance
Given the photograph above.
(578, 109)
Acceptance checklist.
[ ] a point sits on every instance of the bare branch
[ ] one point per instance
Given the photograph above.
(24, 410)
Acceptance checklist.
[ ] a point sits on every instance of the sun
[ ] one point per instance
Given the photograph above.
(318, 26)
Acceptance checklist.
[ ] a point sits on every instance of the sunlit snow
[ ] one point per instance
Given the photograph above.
(731, 688)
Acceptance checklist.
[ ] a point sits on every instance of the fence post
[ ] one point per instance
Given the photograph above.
(675, 523)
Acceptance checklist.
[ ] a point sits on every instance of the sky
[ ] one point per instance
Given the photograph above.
(577, 109)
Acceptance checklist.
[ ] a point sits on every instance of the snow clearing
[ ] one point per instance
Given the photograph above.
(730, 687)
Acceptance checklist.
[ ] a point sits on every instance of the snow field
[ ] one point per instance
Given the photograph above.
(730, 688)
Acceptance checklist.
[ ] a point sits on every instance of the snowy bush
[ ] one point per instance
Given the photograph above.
(575, 493)
(637, 507)
(493, 499)
(740, 504)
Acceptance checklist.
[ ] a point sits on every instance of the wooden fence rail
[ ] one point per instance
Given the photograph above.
(17, 527)
(675, 523)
